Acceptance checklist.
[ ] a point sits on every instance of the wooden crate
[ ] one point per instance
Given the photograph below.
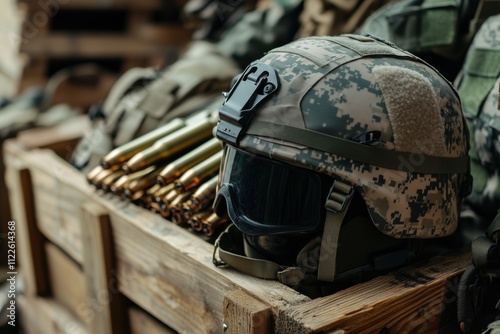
(128, 253)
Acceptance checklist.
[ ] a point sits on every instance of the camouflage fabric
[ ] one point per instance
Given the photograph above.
(478, 85)
(335, 17)
(439, 31)
(351, 87)
(271, 24)
(217, 16)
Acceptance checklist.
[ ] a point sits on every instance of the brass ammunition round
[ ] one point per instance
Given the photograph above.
(168, 198)
(177, 218)
(164, 202)
(154, 207)
(187, 209)
(128, 150)
(175, 207)
(164, 211)
(99, 178)
(144, 182)
(199, 173)
(110, 179)
(136, 195)
(205, 194)
(170, 145)
(120, 184)
(163, 191)
(93, 173)
(149, 196)
(176, 168)
(177, 202)
(212, 224)
(196, 221)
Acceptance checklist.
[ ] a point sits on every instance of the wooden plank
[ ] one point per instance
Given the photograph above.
(245, 314)
(67, 280)
(109, 316)
(58, 203)
(141, 322)
(164, 33)
(46, 316)
(59, 190)
(5, 214)
(97, 4)
(173, 277)
(409, 300)
(61, 45)
(30, 255)
(56, 136)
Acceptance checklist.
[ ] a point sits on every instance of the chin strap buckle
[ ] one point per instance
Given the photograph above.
(339, 196)
(336, 206)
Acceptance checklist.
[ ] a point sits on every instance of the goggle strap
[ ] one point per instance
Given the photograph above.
(336, 205)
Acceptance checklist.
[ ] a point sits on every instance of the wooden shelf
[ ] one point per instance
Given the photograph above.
(147, 5)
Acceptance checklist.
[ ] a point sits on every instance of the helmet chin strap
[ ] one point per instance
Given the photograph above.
(336, 205)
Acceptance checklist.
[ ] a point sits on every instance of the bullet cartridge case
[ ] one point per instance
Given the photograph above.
(205, 194)
(128, 150)
(177, 167)
(169, 146)
(194, 176)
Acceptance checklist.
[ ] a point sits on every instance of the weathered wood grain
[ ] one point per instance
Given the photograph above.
(169, 272)
(30, 255)
(45, 316)
(141, 322)
(67, 280)
(410, 300)
(106, 313)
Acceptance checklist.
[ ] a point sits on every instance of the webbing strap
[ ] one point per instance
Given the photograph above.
(485, 259)
(481, 245)
(227, 247)
(337, 205)
(255, 267)
(403, 161)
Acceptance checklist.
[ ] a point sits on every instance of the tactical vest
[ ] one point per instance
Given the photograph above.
(439, 31)
(478, 86)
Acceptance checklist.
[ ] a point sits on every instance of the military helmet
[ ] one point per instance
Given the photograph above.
(316, 122)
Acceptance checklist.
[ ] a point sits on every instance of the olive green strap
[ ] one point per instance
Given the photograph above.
(337, 205)
(485, 247)
(403, 161)
(228, 253)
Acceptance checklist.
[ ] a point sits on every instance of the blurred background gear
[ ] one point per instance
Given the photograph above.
(214, 17)
(438, 31)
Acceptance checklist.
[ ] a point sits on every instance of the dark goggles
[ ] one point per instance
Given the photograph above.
(265, 197)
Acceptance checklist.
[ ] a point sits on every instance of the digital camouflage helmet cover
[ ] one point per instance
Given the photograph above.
(321, 121)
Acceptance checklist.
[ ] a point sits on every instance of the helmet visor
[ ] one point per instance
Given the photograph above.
(264, 196)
